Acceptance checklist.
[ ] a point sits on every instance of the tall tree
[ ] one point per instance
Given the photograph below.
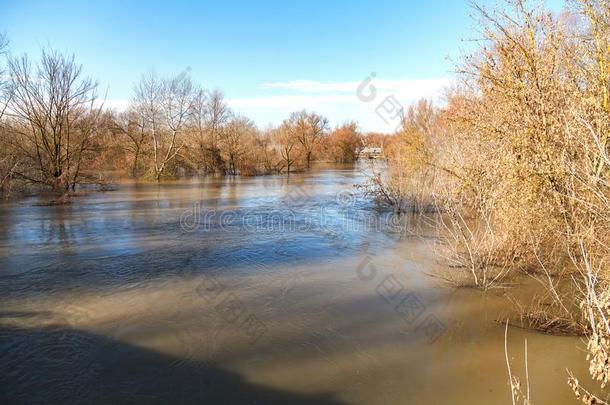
(176, 105)
(8, 159)
(234, 140)
(309, 129)
(343, 143)
(53, 113)
(217, 114)
(146, 106)
(209, 116)
(164, 105)
(133, 126)
(286, 141)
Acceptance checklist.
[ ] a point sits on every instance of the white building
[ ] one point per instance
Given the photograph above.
(370, 152)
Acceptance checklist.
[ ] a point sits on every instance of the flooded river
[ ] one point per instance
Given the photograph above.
(249, 290)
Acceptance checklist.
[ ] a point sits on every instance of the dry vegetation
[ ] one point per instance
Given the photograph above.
(518, 164)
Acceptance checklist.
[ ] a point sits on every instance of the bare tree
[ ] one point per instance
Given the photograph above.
(209, 115)
(217, 115)
(5, 89)
(267, 153)
(287, 141)
(233, 143)
(176, 105)
(133, 126)
(309, 129)
(146, 105)
(8, 159)
(53, 115)
(164, 107)
(198, 118)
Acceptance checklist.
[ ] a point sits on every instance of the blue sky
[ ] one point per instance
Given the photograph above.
(268, 57)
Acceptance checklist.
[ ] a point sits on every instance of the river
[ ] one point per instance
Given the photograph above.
(249, 290)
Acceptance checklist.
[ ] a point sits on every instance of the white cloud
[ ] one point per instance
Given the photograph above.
(292, 102)
(118, 104)
(312, 86)
(420, 86)
(338, 100)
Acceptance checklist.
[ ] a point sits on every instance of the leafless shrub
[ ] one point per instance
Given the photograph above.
(471, 243)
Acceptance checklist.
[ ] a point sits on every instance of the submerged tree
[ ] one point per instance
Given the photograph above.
(209, 116)
(309, 129)
(237, 135)
(53, 116)
(286, 141)
(163, 106)
(343, 144)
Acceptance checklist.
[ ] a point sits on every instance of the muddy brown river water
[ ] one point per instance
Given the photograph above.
(249, 290)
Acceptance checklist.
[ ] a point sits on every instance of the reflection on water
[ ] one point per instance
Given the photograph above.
(269, 290)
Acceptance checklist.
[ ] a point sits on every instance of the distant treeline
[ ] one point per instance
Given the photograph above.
(56, 133)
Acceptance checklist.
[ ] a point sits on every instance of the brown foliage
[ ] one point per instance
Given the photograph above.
(343, 144)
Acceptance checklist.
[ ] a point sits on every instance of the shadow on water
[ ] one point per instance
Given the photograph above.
(58, 365)
(168, 260)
